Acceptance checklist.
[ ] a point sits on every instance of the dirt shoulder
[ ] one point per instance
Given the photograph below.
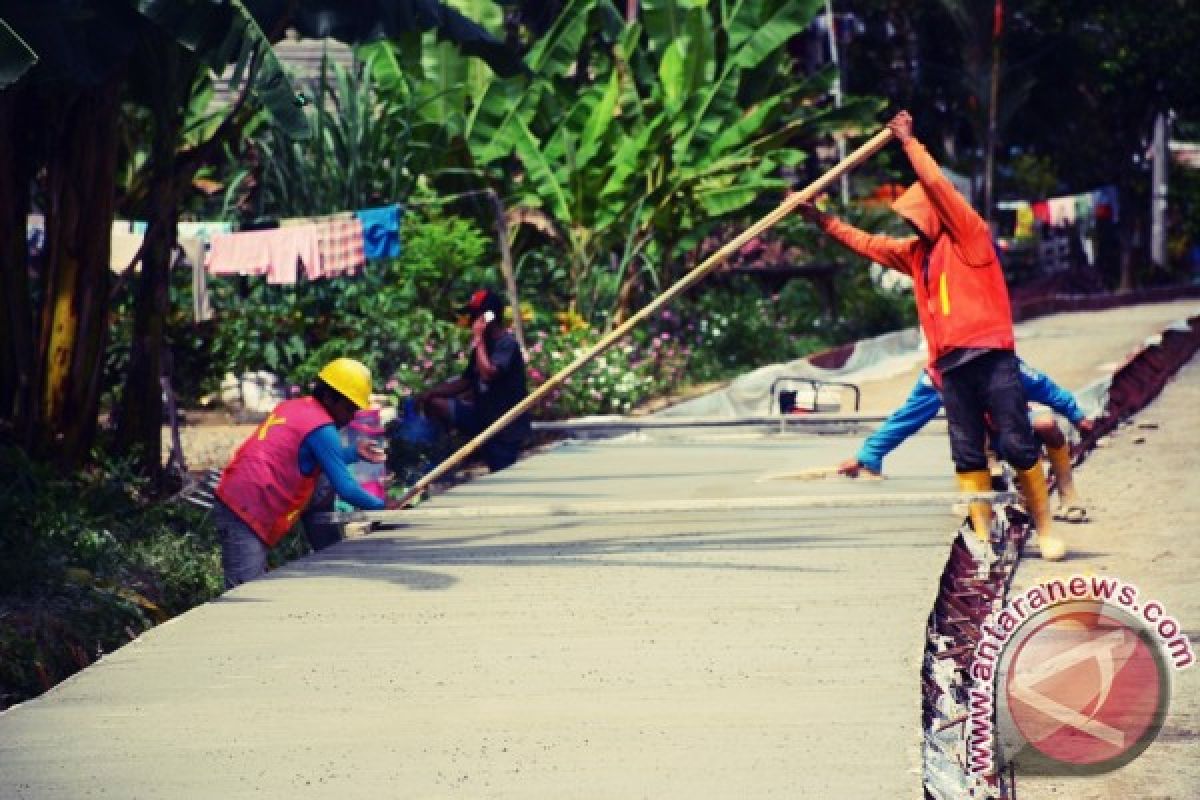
(1143, 492)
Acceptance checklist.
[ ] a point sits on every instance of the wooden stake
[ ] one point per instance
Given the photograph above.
(807, 194)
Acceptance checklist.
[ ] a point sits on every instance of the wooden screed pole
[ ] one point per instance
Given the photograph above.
(868, 149)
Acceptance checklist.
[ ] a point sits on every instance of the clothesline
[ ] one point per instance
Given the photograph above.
(331, 245)
(1083, 208)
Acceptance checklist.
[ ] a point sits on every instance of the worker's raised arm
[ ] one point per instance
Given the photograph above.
(962, 222)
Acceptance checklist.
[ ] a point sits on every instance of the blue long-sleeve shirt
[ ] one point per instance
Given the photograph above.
(924, 402)
(323, 447)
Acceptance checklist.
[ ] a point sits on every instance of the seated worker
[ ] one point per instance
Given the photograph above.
(492, 383)
(925, 401)
(273, 474)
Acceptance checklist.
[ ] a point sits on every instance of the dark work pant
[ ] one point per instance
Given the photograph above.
(988, 389)
(321, 535)
(243, 554)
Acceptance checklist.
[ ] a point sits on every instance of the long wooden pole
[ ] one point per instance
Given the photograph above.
(807, 194)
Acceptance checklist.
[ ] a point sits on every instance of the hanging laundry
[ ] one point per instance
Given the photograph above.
(1025, 219)
(203, 230)
(124, 247)
(291, 222)
(1062, 210)
(342, 246)
(1084, 208)
(381, 231)
(35, 234)
(1041, 211)
(193, 249)
(1104, 201)
(274, 252)
(341, 243)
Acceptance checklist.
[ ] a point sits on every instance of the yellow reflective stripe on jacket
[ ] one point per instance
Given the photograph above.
(944, 294)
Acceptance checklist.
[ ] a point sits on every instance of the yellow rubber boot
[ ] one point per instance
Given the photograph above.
(1032, 483)
(979, 480)
(1064, 475)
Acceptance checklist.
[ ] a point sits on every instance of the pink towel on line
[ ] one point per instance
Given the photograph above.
(274, 253)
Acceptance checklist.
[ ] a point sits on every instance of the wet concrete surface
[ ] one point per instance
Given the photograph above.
(712, 654)
(747, 653)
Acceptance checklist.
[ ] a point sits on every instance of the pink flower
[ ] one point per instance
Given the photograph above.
(392, 385)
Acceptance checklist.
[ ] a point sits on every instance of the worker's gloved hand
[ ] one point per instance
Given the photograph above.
(901, 126)
(370, 451)
(850, 468)
(810, 212)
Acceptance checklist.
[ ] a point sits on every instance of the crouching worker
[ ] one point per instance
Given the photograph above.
(273, 474)
(924, 403)
(490, 386)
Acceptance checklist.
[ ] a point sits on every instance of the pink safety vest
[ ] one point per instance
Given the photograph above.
(263, 483)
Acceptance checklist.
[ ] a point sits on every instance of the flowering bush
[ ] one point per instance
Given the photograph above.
(612, 383)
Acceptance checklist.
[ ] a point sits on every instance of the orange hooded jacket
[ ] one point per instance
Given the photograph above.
(962, 300)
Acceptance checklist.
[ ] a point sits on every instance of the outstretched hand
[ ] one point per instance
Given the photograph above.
(901, 126)
(808, 209)
(849, 468)
(369, 451)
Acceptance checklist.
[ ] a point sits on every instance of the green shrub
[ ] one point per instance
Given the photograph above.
(386, 316)
(86, 563)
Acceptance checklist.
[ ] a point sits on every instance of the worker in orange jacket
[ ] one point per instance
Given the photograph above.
(963, 306)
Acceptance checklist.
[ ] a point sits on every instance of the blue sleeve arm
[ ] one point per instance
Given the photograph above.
(922, 405)
(325, 448)
(1040, 389)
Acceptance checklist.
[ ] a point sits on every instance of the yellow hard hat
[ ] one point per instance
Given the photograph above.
(349, 377)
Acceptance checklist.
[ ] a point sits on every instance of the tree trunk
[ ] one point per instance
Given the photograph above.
(80, 136)
(139, 423)
(626, 294)
(16, 315)
(1130, 244)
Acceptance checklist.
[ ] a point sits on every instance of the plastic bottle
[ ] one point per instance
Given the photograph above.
(367, 425)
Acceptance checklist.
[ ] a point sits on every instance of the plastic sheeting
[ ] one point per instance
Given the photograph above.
(750, 394)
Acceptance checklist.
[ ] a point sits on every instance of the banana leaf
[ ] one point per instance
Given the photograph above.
(16, 57)
(229, 34)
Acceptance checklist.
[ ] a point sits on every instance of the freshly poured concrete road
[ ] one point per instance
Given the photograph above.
(702, 654)
(673, 655)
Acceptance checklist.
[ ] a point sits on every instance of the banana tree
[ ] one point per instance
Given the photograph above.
(635, 139)
(52, 349)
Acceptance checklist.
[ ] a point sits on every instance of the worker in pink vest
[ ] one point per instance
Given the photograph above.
(273, 474)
